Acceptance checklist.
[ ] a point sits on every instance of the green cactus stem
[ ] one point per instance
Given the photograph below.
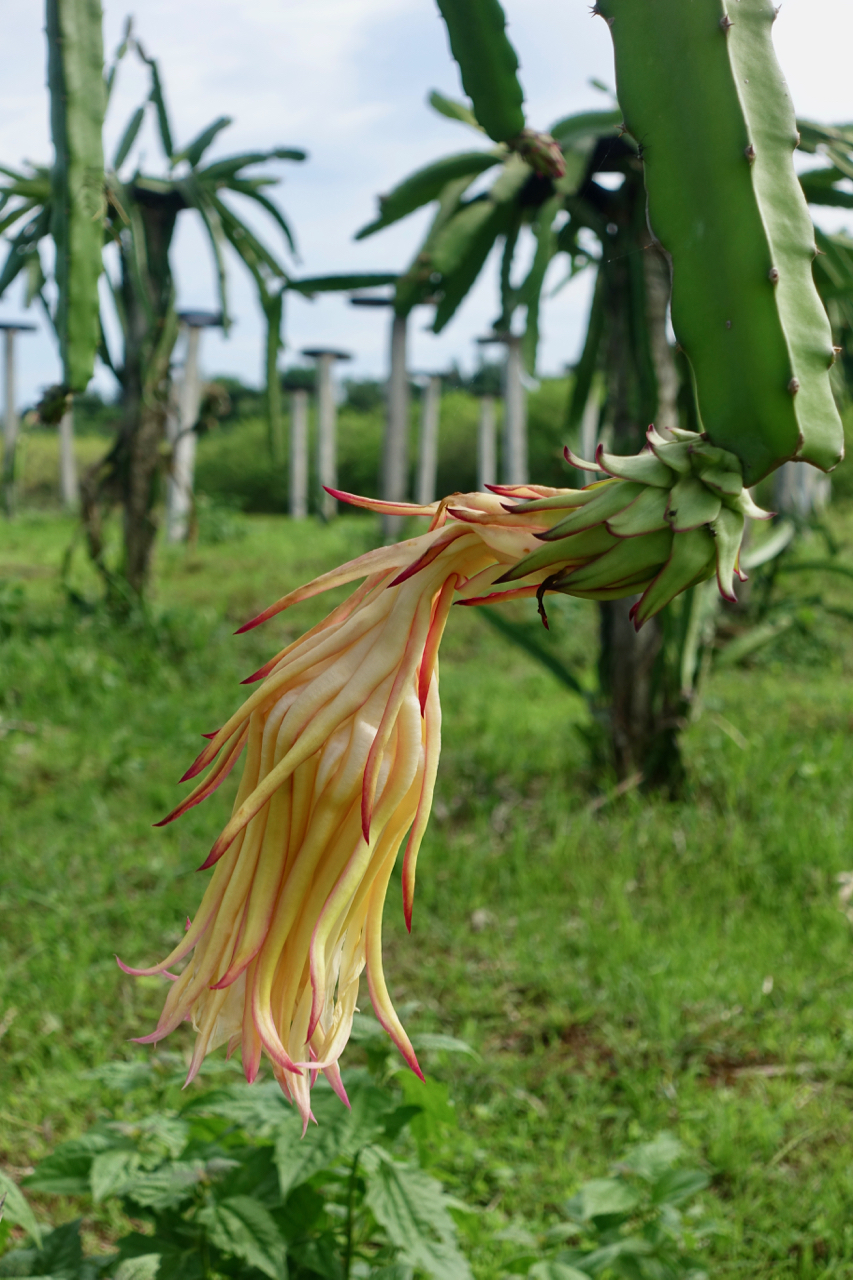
(77, 104)
(488, 64)
(704, 97)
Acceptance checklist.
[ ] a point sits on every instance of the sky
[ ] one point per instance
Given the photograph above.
(347, 80)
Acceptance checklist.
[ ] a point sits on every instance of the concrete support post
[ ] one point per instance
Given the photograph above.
(180, 489)
(395, 455)
(515, 415)
(68, 486)
(299, 455)
(428, 452)
(10, 423)
(327, 432)
(487, 459)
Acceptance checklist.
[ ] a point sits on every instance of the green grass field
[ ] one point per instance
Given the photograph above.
(620, 968)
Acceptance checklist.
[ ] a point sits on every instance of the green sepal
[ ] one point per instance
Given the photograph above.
(691, 560)
(622, 565)
(725, 483)
(610, 499)
(691, 505)
(642, 467)
(706, 456)
(633, 587)
(577, 546)
(566, 500)
(674, 454)
(645, 514)
(728, 532)
(748, 507)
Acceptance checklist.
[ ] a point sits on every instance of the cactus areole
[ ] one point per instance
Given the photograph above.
(703, 95)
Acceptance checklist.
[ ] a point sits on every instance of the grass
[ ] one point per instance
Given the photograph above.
(620, 968)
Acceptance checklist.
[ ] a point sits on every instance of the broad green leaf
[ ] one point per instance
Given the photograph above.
(65, 1172)
(112, 1171)
(144, 1267)
(242, 1228)
(365, 1029)
(16, 1209)
(181, 1264)
(319, 1257)
(340, 1134)
(172, 1131)
(440, 1043)
(122, 1076)
(677, 1185)
(135, 1248)
(22, 1263)
(650, 1160)
(622, 1256)
(426, 185)
(603, 1197)
(413, 1209)
(164, 1188)
(259, 1110)
(397, 1271)
(61, 1253)
(431, 1097)
(453, 110)
(552, 1269)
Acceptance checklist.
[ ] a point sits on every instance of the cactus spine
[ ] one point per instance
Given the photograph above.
(702, 93)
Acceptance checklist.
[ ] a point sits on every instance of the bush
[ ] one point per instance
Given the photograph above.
(234, 462)
(227, 1186)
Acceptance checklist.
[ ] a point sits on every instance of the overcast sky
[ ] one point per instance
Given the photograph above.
(347, 80)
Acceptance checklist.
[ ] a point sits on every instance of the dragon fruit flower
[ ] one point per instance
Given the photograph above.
(341, 739)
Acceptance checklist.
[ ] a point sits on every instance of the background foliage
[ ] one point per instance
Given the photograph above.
(621, 965)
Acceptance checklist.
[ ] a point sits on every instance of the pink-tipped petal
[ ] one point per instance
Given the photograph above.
(333, 1075)
(441, 609)
(380, 506)
(498, 597)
